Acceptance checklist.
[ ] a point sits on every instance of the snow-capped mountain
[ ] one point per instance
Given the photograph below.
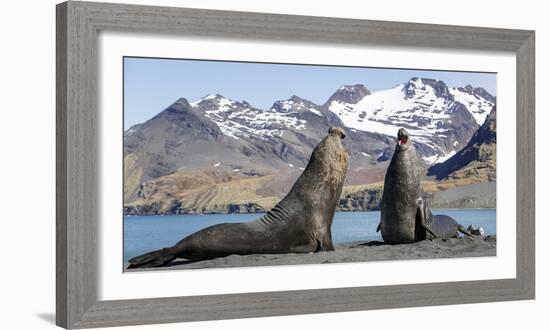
(294, 120)
(217, 132)
(241, 120)
(295, 104)
(349, 94)
(476, 161)
(238, 138)
(478, 101)
(440, 119)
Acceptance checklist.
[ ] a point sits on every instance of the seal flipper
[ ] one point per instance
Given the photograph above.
(424, 225)
(319, 246)
(379, 227)
(465, 231)
(152, 259)
(424, 215)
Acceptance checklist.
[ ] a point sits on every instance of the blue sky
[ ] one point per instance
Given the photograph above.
(151, 85)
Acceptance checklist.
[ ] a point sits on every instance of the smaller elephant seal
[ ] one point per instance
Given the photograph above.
(440, 225)
(300, 223)
(402, 218)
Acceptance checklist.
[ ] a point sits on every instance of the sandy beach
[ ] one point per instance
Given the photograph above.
(353, 252)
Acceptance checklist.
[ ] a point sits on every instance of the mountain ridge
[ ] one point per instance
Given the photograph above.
(477, 158)
(244, 142)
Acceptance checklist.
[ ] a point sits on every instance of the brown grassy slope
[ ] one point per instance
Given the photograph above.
(216, 191)
(209, 191)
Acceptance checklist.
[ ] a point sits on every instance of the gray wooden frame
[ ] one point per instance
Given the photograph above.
(77, 190)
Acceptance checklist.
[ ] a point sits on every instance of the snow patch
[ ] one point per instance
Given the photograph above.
(388, 110)
(476, 105)
(204, 98)
(130, 131)
(436, 159)
(241, 120)
(447, 156)
(430, 159)
(315, 111)
(340, 108)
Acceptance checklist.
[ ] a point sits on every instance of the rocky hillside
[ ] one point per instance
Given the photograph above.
(260, 194)
(221, 155)
(216, 132)
(440, 195)
(475, 162)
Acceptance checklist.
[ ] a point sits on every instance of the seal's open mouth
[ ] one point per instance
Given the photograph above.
(402, 136)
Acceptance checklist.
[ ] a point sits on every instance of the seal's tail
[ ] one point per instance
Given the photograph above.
(465, 231)
(152, 259)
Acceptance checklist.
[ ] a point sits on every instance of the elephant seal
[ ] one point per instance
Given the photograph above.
(405, 214)
(300, 223)
(401, 218)
(440, 225)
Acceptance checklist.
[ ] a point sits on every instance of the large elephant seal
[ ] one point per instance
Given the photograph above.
(401, 220)
(300, 223)
(405, 214)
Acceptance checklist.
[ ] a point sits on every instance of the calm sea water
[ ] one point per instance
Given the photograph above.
(146, 233)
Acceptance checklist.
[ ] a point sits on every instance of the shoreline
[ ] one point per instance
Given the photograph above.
(360, 251)
(341, 211)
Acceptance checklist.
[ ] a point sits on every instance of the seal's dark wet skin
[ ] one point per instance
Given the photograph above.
(400, 220)
(300, 223)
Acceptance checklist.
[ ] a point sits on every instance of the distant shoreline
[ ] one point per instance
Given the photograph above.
(342, 211)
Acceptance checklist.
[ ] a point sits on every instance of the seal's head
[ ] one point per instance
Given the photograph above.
(336, 135)
(476, 231)
(403, 141)
(337, 131)
(332, 158)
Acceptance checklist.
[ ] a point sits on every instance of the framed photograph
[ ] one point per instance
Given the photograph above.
(315, 164)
